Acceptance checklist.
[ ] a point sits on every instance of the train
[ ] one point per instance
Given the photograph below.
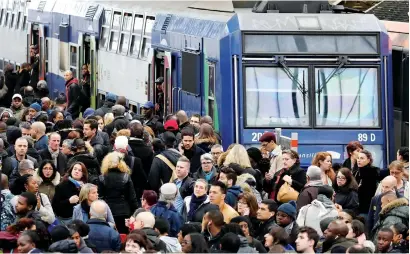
(322, 71)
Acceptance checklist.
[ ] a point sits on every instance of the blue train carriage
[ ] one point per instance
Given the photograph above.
(13, 30)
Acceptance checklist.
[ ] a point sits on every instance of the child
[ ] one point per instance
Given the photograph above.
(400, 244)
(384, 240)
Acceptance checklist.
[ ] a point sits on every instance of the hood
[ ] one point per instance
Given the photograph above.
(398, 207)
(55, 181)
(327, 203)
(172, 154)
(150, 232)
(6, 110)
(235, 190)
(4, 154)
(162, 207)
(314, 183)
(64, 246)
(172, 243)
(205, 140)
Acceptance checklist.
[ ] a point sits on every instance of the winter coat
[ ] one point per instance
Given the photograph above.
(7, 163)
(394, 212)
(214, 242)
(200, 212)
(205, 144)
(200, 174)
(346, 243)
(160, 172)
(240, 170)
(194, 156)
(90, 162)
(10, 80)
(138, 176)
(367, 178)
(155, 124)
(117, 124)
(347, 198)
(32, 152)
(173, 245)
(63, 246)
(311, 214)
(84, 248)
(61, 204)
(104, 109)
(61, 160)
(264, 228)
(142, 151)
(161, 209)
(187, 187)
(23, 79)
(103, 236)
(117, 190)
(276, 163)
(232, 195)
(73, 93)
(7, 216)
(18, 112)
(153, 237)
(245, 247)
(100, 150)
(41, 143)
(80, 214)
(308, 194)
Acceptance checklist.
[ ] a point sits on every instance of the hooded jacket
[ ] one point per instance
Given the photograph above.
(205, 144)
(264, 228)
(173, 245)
(153, 237)
(104, 109)
(7, 214)
(84, 248)
(103, 236)
(232, 194)
(63, 246)
(244, 247)
(194, 155)
(6, 110)
(161, 209)
(100, 150)
(160, 172)
(8, 165)
(310, 215)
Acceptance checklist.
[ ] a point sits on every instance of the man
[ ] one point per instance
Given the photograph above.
(121, 100)
(286, 218)
(310, 191)
(90, 131)
(52, 152)
(145, 221)
(208, 120)
(24, 167)
(21, 147)
(82, 155)
(7, 164)
(183, 120)
(307, 240)
(159, 105)
(25, 129)
(34, 111)
(273, 150)
(190, 150)
(26, 206)
(42, 89)
(140, 149)
(212, 224)
(107, 106)
(46, 104)
(23, 77)
(28, 96)
(7, 212)
(194, 121)
(12, 134)
(216, 152)
(266, 216)
(61, 240)
(335, 237)
(38, 133)
(61, 105)
(162, 228)
(85, 88)
(119, 121)
(66, 148)
(184, 183)
(151, 120)
(384, 240)
(35, 65)
(17, 106)
(229, 177)
(217, 194)
(101, 234)
(73, 92)
(163, 168)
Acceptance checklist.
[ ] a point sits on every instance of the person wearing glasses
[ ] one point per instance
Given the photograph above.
(346, 190)
(207, 170)
(216, 151)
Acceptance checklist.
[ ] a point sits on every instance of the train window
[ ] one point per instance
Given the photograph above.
(146, 45)
(25, 23)
(18, 20)
(135, 44)
(12, 20)
(273, 99)
(149, 24)
(350, 97)
(124, 42)
(114, 41)
(1, 14)
(104, 37)
(73, 56)
(127, 23)
(6, 19)
(138, 20)
(107, 17)
(116, 21)
(46, 50)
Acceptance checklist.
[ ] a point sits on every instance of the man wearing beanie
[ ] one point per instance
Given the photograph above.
(61, 240)
(309, 192)
(88, 112)
(34, 110)
(286, 218)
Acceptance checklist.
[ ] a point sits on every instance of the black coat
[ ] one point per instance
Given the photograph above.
(138, 176)
(61, 160)
(367, 178)
(118, 123)
(160, 173)
(199, 212)
(141, 150)
(100, 150)
(90, 162)
(106, 108)
(264, 228)
(60, 203)
(116, 188)
(187, 187)
(73, 97)
(8, 165)
(194, 156)
(347, 198)
(23, 79)
(10, 80)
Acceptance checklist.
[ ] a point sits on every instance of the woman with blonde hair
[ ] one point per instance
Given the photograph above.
(222, 157)
(323, 160)
(88, 194)
(108, 118)
(206, 138)
(117, 189)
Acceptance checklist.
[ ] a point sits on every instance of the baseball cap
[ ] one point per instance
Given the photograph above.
(148, 104)
(17, 95)
(159, 80)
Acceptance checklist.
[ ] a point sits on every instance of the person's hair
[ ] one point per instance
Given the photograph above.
(25, 125)
(397, 165)
(238, 155)
(293, 154)
(108, 118)
(39, 126)
(93, 123)
(230, 243)
(198, 243)
(350, 179)
(311, 233)
(404, 152)
(84, 178)
(137, 130)
(245, 219)
(230, 174)
(385, 229)
(279, 236)
(25, 164)
(53, 115)
(368, 155)
(221, 185)
(187, 131)
(34, 237)
(201, 180)
(353, 146)
(184, 159)
(357, 227)
(401, 229)
(321, 156)
(233, 228)
(68, 143)
(23, 116)
(189, 228)
(85, 190)
(40, 169)
(150, 197)
(358, 248)
(162, 225)
(251, 201)
(216, 217)
(206, 132)
(31, 199)
(124, 132)
(158, 145)
(139, 236)
(81, 227)
(20, 225)
(217, 146)
(207, 157)
(114, 160)
(272, 205)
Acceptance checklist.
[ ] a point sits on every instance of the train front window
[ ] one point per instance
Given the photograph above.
(348, 98)
(276, 97)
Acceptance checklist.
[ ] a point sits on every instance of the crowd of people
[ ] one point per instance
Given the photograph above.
(111, 180)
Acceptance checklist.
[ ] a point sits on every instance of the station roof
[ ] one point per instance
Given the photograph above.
(392, 10)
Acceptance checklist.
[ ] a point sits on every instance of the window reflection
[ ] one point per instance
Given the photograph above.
(117, 20)
(149, 25)
(127, 23)
(107, 17)
(138, 23)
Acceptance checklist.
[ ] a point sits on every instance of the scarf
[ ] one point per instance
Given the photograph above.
(190, 152)
(78, 184)
(85, 206)
(54, 155)
(208, 175)
(194, 204)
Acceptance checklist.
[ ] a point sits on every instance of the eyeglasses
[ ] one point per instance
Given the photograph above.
(341, 178)
(206, 162)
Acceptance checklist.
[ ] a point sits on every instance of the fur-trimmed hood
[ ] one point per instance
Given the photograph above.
(205, 140)
(244, 177)
(55, 181)
(114, 160)
(394, 205)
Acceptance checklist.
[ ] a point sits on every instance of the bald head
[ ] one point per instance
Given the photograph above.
(147, 220)
(389, 183)
(98, 210)
(4, 181)
(45, 103)
(28, 89)
(335, 229)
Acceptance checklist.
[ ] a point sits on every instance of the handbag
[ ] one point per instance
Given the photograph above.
(287, 193)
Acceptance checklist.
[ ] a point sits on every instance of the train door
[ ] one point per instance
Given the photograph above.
(37, 39)
(87, 61)
(162, 93)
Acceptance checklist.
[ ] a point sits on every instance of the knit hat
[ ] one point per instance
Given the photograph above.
(168, 191)
(121, 144)
(314, 173)
(110, 97)
(36, 106)
(171, 125)
(88, 112)
(325, 223)
(59, 233)
(288, 208)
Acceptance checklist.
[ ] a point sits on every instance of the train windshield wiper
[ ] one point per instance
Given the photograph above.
(331, 75)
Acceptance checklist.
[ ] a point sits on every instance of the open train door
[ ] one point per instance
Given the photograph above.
(87, 48)
(93, 71)
(37, 38)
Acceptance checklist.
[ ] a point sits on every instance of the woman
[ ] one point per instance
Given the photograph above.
(108, 118)
(5, 115)
(206, 138)
(356, 231)
(352, 150)
(25, 117)
(48, 178)
(247, 230)
(194, 243)
(66, 193)
(137, 242)
(149, 199)
(197, 205)
(291, 173)
(277, 241)
(248, 207)
(367, 178)
(207, 170)
(55, 116)
(100, 121)
(116, 188)
(346, 190)
(324, 161)
(403, 156)
(8, 238)
(88, 194)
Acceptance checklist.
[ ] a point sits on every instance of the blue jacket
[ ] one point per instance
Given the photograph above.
(42, 143)
(232, 194)
(103, 236)
(80, 214)
(174, 218)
